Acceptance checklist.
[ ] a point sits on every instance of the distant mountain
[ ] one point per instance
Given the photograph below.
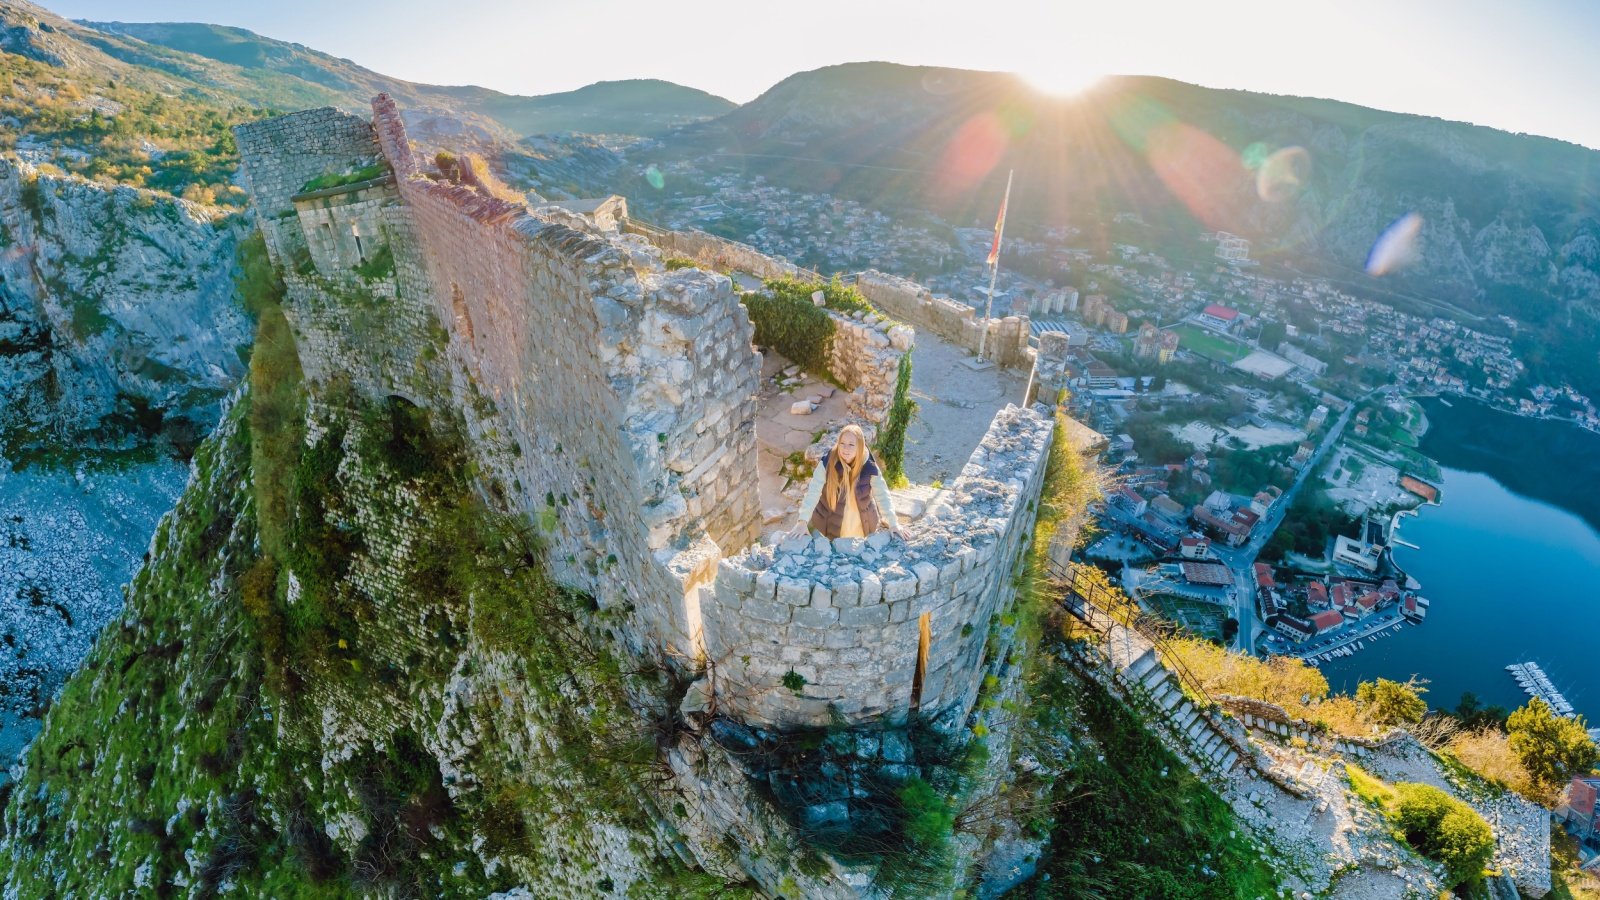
(292, 74)
(1511, 222)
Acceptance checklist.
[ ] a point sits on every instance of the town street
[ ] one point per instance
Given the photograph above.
(1241, 560)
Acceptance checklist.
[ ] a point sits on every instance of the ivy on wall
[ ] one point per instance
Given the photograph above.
(890, 449)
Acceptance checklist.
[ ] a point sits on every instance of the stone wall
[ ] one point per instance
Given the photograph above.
(866, 349)
(847, 615)
(718, 252)
(958, 323)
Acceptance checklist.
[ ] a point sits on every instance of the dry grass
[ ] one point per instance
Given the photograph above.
(1487, 751)
(1299, 688)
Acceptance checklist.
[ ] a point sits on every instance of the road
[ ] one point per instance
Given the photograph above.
(1241, 560)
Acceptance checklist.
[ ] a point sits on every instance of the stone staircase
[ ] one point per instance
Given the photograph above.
(1128, 664)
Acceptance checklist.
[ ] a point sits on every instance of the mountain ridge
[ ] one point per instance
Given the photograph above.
(613, 106)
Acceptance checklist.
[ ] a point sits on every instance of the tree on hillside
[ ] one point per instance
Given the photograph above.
(1551, 747)
(1392, 702)
(1272, 334)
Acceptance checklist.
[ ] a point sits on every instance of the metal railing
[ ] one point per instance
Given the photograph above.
(1099, 608)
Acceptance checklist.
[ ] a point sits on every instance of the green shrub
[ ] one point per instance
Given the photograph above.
(1392, 702)
(793, 326)
(794, 681)
(379, 265)
(675, 263)
(1443, 828)
(929, 819)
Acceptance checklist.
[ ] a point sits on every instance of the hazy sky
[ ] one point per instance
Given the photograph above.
(1526, 66)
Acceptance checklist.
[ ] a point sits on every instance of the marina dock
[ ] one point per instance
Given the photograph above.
(1533, 680)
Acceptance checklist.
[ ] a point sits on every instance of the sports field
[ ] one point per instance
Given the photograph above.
(1209, 344)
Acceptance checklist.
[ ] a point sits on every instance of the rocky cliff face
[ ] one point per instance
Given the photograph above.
(118, 314)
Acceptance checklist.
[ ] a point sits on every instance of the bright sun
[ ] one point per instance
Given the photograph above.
(1061, 79)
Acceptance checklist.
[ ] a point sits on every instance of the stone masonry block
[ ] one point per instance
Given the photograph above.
(927, 576)
(950, 571)
(845, 594)
(794, 592)
(767, 611)
(735, 576)
(864, 615)
(900, 588)
(766, 585)
(816, 617)
(871, 589)
(726, 597)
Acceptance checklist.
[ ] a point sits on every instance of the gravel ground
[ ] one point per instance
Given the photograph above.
(1329, 843)
(68, 542)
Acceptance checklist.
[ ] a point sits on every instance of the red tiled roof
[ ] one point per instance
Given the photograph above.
(1326, 620)
(1582, 794)
(1264, 576)
(1222, 312)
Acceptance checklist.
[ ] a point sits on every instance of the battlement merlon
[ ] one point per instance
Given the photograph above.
(878, 628)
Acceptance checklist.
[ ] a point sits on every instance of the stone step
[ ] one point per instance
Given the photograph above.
(1185, 715)
(1155, 676)
(1173, 698)
(1229, 761)
(1135, 671)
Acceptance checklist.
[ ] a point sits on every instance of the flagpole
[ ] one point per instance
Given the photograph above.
(994, 269)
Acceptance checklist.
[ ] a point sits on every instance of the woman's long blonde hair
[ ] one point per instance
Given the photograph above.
(852, 470)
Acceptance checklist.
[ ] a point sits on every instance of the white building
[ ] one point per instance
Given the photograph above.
(1232, 248)
(1356, 553)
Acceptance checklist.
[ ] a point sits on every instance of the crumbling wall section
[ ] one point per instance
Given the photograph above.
(814, 631)
(368, 326)
(625, 393)
(279, 156)
(1007, 342)
(613, 400)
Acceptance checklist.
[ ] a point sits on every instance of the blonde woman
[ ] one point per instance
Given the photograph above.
(848, 496)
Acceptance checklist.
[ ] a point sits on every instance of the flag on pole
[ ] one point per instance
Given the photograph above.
(1000, 224)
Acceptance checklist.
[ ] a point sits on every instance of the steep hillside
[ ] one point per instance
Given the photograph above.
(1511, 221)
(291, 72)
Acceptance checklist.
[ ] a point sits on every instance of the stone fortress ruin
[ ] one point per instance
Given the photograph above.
(613, 401)
(623, 401)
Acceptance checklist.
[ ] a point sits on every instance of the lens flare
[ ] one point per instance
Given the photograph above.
(1283, 175)
(655, 178)
(1397, 247)
(1205, 174)
(973, 152)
